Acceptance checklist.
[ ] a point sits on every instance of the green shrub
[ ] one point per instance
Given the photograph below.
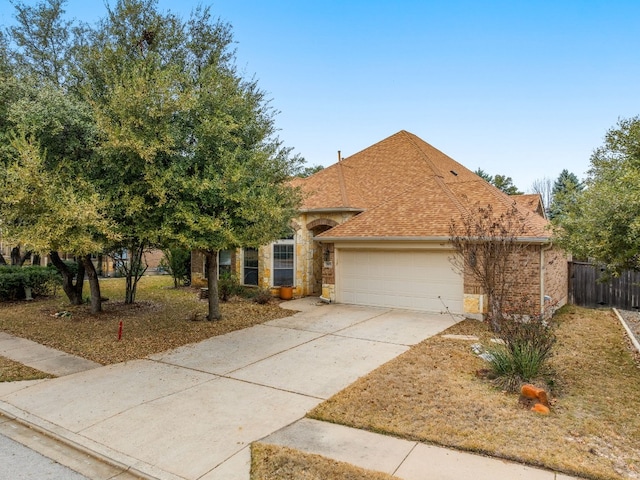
(262, 296)
(72, 266)
(528, 345)
(228, 285)
(14, 280)
(11, 283)
(177, 261)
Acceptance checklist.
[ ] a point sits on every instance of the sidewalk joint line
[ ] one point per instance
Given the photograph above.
(415, 444)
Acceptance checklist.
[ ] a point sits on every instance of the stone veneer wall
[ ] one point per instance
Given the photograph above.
(305, 250)
(308, 249)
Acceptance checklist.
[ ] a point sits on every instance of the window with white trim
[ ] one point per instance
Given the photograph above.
(283, 262)
(250, 266)
(224, 263)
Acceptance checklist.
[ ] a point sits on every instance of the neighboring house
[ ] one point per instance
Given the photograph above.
(531, 201)
(374, 230)
(110, 265)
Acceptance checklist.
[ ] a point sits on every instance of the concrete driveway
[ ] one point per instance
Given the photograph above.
(191, 413)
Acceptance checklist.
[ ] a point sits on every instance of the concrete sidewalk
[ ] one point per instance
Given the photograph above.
(45, 359)
(192, 413)
(401, 458)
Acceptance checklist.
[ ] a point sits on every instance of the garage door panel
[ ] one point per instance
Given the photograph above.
(420, 280)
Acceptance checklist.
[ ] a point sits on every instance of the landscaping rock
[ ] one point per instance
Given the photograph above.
(531, 392)
(541, 409)
(471, 338)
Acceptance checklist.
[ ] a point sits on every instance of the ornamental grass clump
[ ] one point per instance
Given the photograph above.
(523, 354)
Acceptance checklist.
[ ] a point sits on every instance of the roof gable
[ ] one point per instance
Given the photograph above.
(532, 201)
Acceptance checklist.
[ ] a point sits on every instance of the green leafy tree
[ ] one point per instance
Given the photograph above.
(232, 181)
(305, 172)
(188, 149)
(506, 185)
(46, 212)
(484, 175)
(501, 182)
(48, 139)
(177, 261)
(45, 41)
(135, 85)
(602, 222)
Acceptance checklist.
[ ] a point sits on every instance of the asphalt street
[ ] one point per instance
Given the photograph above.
(18, 462)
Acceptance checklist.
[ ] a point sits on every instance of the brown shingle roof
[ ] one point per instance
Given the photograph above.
(374, 174)
(406, 188)
(531, 201)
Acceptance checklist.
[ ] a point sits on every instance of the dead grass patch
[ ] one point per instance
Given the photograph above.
(161, 319)
(11, 371)
(271, 462)
(432, 394)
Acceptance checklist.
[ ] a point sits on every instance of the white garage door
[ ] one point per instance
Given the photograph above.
(417, 280)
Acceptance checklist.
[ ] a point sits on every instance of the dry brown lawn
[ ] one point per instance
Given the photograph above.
(11, 371)
(271, 462)
(432, 394)
(162, 318)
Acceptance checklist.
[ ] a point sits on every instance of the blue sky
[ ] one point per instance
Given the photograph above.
(518, 88)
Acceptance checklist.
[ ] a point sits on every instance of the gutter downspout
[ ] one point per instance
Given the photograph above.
(543, 268)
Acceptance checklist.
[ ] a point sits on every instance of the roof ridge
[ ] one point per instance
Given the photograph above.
(343, 187)
(429, 162)
(374, 145)
(452, 196)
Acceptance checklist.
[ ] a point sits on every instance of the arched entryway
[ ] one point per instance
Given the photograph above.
(316, 228)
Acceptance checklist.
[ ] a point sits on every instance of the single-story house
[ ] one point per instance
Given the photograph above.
(374, 229)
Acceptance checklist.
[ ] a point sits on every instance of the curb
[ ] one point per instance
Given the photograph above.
(106, 456)
(630, 334)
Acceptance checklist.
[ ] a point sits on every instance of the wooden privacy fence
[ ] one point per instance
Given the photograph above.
(585, 289)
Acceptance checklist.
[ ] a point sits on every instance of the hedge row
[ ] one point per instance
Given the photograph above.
(14, 280)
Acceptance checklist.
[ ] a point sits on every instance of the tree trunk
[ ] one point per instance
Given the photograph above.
(495, 312)
(212, 283)
(15, 256)
(100, 259)
(94, 284)
(73, 292)
(2, 259)
(25, 257)
(134, 271)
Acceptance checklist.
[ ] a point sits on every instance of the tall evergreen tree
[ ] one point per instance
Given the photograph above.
(565, 190)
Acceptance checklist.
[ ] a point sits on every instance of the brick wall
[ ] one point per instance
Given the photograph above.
(556, 277)
(153, 258)
(523, 281)
(197, 265)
